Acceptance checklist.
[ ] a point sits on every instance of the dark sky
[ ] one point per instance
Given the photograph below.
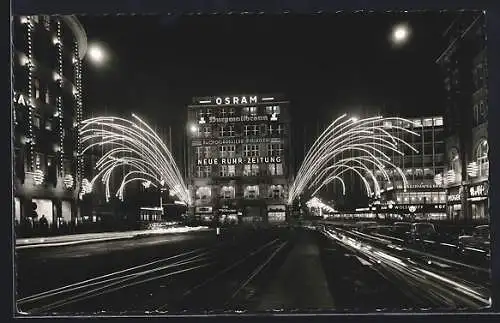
(325, 64)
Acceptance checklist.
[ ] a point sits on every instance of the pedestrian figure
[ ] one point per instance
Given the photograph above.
(44, 224)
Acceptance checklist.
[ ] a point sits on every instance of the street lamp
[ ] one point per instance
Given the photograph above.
(400, 34)
(97, 54)
(193, 128)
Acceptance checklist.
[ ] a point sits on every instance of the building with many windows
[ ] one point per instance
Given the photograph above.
(46, 111)
(239, 161)
(423, 197)
(464, 67)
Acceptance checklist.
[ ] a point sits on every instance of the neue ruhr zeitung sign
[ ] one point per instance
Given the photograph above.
(238, 161)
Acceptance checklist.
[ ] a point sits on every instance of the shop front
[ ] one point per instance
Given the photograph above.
(276, 214)
(478, 197)
(454, 209)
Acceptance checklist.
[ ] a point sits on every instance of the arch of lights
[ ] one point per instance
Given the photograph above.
(365, 141)
(135, 148)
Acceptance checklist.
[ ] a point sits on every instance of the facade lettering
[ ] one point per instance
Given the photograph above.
(239, 160)
(236, 100)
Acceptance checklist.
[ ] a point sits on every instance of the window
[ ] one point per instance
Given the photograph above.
(36, 85)
(250, 111)
(231, 112)
(203, 193)
(250, 150)
(227, 131)
(47, 95)
(227, 192)
(203, 171)
(227, 151)
(438, 121)
(427, 123)
(208, 113)
(202, 152)
(276, 191)
(227, 170)
(251, 130)
(251, 170)
(275, 169)
(251, 192)
(224, 112)
(36, 121)
(482, 158)
(48, 125)
(207, 131)
(280, 130)
(46, 22)
(273, 109)
(274, 149)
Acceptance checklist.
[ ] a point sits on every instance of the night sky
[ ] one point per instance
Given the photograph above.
(325, 64)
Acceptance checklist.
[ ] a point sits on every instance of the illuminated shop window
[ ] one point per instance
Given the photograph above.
(276, 191)
(36, 85)
(204, 193)
(438, 121)
(251, 170)
(427, 122)
(48, 125)
(250, 150)
(251, 192)
(227, 192)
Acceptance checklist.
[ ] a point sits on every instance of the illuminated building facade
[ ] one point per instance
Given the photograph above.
(464, 69)
(239, 161)
(47, 53)
(424, 198)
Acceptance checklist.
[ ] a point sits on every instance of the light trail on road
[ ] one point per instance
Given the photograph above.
(425, 282)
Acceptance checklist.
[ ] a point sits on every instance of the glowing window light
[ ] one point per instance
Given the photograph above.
(38, 177)
(68, 181)
(451, 176)
(473, 169)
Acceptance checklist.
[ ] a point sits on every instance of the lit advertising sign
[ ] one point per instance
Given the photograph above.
(238, 119)
(21, 100)
(235, 141)
(236, 100)
(455, 196)
(238, 161)
(480, 190)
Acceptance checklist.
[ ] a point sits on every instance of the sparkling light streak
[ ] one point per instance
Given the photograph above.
(353, 145)
(135, 148)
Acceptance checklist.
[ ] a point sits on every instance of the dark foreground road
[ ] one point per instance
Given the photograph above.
(244, 270)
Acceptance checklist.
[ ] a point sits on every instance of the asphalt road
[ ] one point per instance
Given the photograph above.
(243, 270)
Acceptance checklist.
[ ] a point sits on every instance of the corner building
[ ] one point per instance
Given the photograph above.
(47, 53)
(239, 157)
(464, 68)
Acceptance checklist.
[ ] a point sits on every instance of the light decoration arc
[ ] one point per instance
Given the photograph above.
(360, 146)
(135, 149)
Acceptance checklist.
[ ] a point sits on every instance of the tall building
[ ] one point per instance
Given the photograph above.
(464, 68)
(423, 198)
(46, 110)
(239, 157)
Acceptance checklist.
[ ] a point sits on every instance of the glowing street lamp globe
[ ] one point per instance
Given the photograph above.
(400, 34)
(96, 54)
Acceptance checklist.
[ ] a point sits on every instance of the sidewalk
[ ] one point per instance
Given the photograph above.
(96, 237)
(300, 283)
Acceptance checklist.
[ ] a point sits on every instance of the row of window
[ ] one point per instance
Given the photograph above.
(229, 151)
(248, 170)
(231, 111)
(249, 192)
(248, 130)
(416, 123)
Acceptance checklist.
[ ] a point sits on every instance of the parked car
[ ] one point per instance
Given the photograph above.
(362, 226)
(477, 242)
(423, 233)
(401, 230)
